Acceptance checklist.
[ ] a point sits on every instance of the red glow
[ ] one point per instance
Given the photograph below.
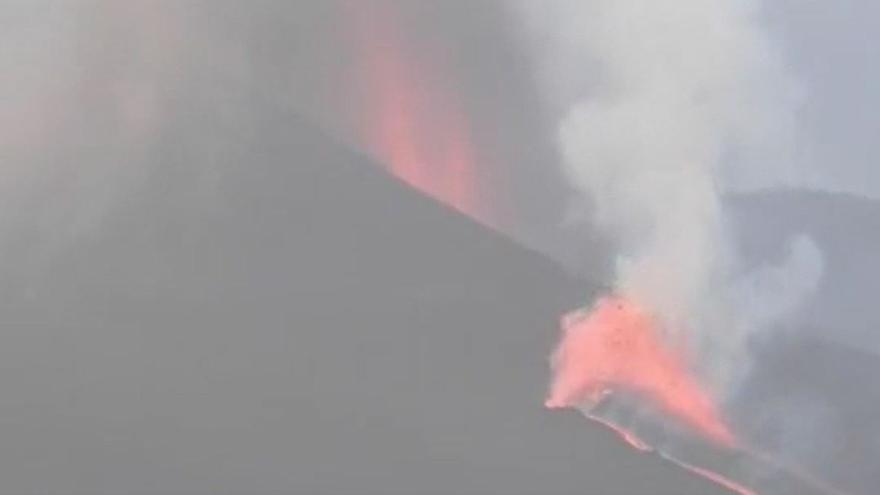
(415, 124)
(617, 347)
(627, 436)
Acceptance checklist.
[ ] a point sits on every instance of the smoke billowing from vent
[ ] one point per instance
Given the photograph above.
(664, 107)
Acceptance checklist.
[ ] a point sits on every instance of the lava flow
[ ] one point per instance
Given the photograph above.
(617, 347)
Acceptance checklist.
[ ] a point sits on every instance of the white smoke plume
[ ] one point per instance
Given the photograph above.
(663, 108)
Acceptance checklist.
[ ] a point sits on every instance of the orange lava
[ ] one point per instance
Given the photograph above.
(627, 436)
(415, 123)
(618, 347)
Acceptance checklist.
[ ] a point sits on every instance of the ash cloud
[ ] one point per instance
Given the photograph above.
(665, 108)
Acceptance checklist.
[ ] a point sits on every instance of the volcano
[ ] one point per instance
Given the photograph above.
(301, 323)
(272, 312)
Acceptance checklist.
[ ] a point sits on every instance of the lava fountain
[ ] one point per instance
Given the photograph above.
(618, 346)
(415, 123)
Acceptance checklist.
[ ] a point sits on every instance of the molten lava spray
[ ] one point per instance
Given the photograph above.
(415, 124)
(619, 346)
(620, 349)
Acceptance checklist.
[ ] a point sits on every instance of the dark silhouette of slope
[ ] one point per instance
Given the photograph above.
(269, 313)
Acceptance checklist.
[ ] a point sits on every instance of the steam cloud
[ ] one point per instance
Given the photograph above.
(666, 106)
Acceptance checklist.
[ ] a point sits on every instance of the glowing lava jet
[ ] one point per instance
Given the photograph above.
(415, 123)
(618, 347)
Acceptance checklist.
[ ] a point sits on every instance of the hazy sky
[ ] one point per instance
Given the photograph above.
(833, 47)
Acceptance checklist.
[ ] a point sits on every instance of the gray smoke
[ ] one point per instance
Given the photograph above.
(663, 108)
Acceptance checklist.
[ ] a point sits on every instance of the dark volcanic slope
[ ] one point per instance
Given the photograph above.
(270, 314)
(818, 403)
